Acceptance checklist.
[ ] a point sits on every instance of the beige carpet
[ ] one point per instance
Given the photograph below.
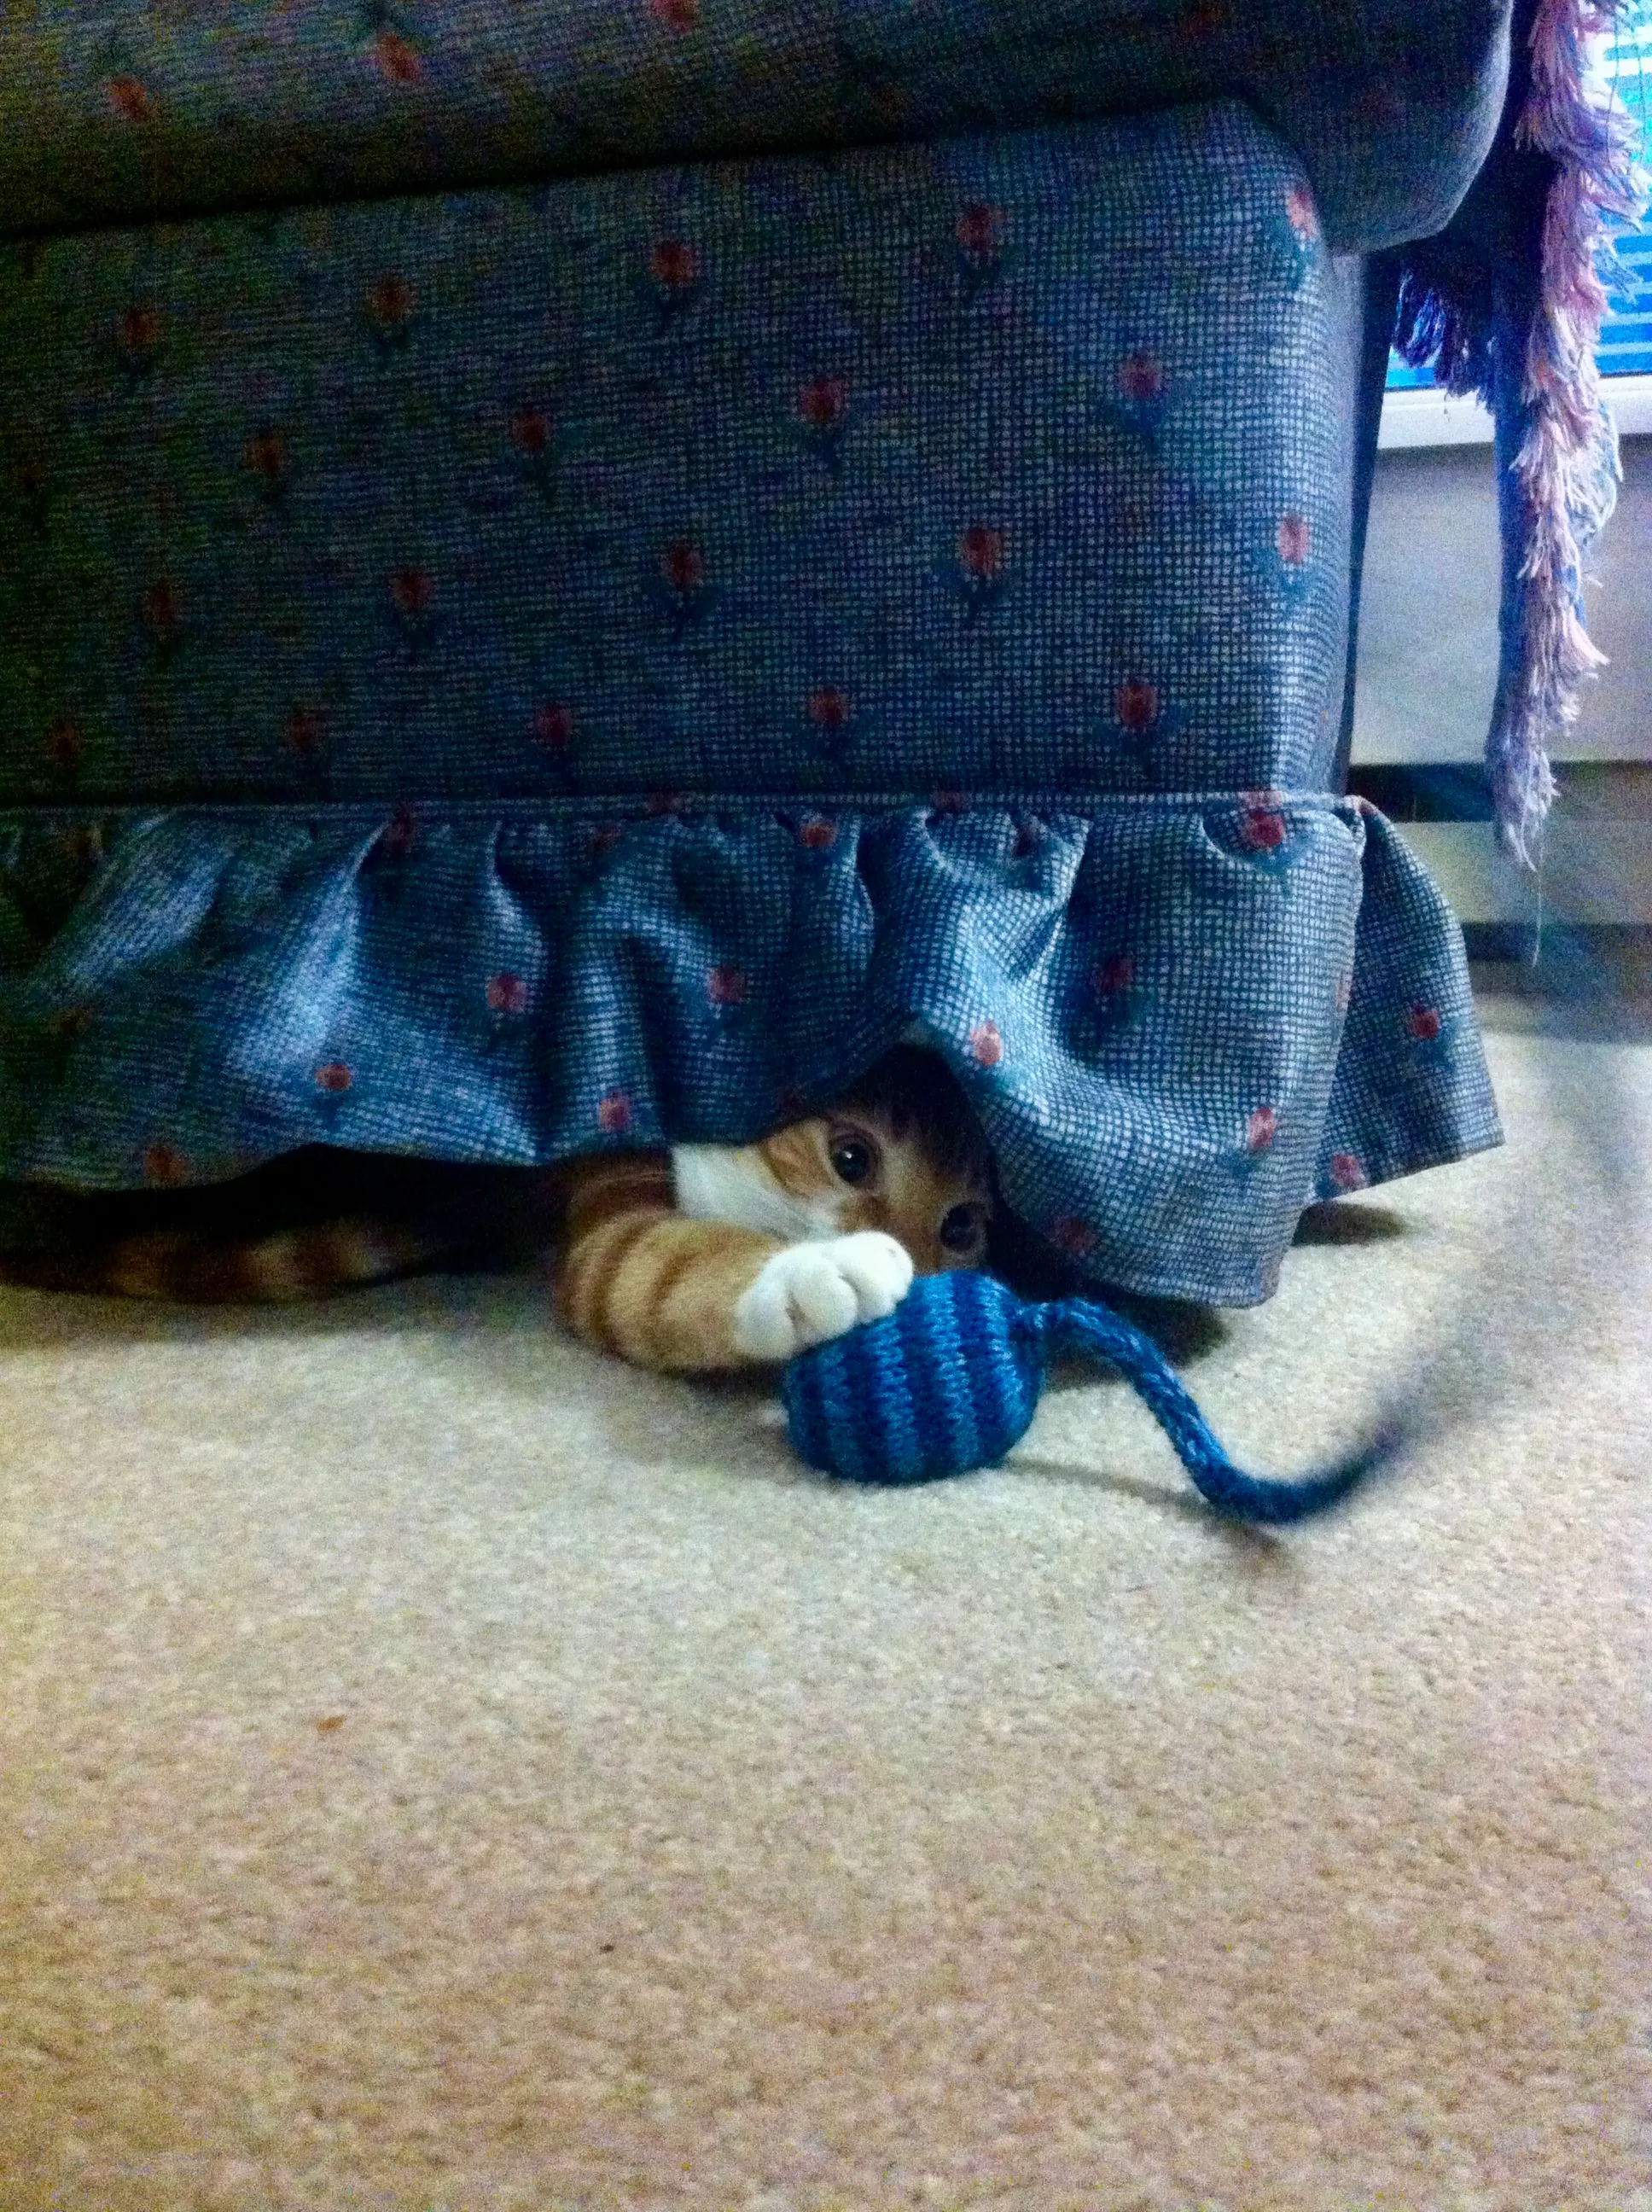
(442, 1769)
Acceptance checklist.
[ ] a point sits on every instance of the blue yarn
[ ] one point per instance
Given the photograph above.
(950, 1381)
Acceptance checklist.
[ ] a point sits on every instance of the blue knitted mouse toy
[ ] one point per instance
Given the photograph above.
(950, 1381)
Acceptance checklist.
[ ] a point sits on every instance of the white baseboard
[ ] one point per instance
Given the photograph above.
(1594, 872)
(1425, 417)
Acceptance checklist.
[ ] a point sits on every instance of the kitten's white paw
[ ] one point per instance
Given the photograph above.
(818, 1289)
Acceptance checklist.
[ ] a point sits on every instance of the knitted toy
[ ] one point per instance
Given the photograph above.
(950, 1381)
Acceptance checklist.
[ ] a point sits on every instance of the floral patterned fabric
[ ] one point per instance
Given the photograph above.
(1017, 461)
(111, 110)
(1149, 1002)
(496, 676)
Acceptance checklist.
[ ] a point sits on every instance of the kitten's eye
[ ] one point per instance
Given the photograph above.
(853, 1159)
(963, 1229)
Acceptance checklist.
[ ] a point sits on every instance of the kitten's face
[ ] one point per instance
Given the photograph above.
(855, 1169)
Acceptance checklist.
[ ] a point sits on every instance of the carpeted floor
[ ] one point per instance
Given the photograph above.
(442, 1769)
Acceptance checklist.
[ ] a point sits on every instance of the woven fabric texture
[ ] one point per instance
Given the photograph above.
(502, 675)
(1018, 461)
(112, 109)
(1145, 1002)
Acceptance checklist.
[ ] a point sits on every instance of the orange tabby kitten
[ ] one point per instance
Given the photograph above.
(697, 1258)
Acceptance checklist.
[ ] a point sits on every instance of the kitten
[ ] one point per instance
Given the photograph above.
(693, 1258)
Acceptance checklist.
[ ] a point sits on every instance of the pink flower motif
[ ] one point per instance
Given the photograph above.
(390, 302)
(680, 587)
(830, 710)
(1302, 214)
(947, 804)
(604, 839)
(553, 728)
(412, 600)
(401, 831)
(333, 1077)
(817, 832)
(1381, 106)
(614, 1113)
(1135, 703)
(129, 98)
(163, 611)
(980, 549)
(1423, 1023)
(84, 846)
(305, 730)
(65, 745)
(400, 61)
(1074, 1237)
(164, 1165)
(531, 432)
(1114, 975)
(1140, 378)
(1347, 1172)
(676, 14)
(1205, 18)
(137, 333)
(534, 432)
(505, 994)
(978, 580)
(987, 1044)
(822, 408)
(675, 265)
(264, 454)
(1262, 1128)
(682, 568)
(824, 403)
(725, 986)
(1261, 830)
(412, 594)
(1292, 538)
(978, 231)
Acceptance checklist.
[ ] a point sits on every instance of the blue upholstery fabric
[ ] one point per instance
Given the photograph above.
(1145, 1001)
(498, 676)
(1018, 461)
(112, 109)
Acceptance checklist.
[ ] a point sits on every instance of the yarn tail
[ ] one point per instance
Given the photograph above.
(1086, 1325)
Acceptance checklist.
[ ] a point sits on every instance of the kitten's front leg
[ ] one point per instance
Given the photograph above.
(668, 1291)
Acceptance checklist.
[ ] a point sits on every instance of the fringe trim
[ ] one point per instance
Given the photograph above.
(1430, 328)
(1557, 440)
(1566, 468)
